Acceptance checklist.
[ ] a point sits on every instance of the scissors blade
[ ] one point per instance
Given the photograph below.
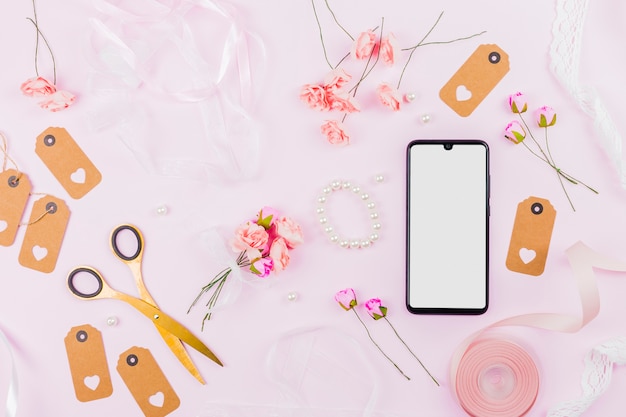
(171, 326)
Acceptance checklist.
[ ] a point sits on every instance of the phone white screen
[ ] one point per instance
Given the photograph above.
(447, 225)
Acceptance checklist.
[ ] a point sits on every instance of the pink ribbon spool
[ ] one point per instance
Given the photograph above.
(496, 378)
(478, 358)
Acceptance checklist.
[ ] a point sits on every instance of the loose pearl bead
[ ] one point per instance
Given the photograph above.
(425, 118)
(374, 215)
(161, 210)
(409, 97)
(376, 226)
(292, 296)
(112, 321)
(379, 178)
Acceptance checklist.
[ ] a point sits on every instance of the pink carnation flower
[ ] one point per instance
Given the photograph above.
(388, 47)
(342, 102)
(336, 79)
(314, 96)
(333, 130)
(57, 101)
(364, 45)
(389, 96)
(37, 87)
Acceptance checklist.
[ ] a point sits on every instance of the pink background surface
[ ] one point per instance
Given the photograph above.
(37, 310)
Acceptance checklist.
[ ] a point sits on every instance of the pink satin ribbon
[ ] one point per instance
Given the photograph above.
(477, 354)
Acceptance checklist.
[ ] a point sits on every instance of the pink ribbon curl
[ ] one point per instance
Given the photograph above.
(482, 367)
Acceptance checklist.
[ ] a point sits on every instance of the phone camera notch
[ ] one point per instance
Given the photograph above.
(447, 146)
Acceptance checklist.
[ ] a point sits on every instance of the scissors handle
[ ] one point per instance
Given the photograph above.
(95, 274)
(116, 248)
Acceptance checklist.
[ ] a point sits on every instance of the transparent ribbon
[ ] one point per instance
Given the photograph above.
(12, 391)
(153, 48)
(312, 368)
(596, 377)
(582, 261)
(565, 53)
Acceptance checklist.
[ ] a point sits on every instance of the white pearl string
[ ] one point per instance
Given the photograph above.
(348, 243)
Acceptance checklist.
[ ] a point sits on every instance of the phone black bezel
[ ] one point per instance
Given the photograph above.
(428, 310)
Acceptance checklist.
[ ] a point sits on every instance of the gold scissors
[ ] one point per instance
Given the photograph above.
(171, 331)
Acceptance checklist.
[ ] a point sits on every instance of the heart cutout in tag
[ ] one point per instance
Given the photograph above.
(78, 176)
(3, 226)
(462, 93)
(527, 255)
(92, 382)
(39, 253)
(157, 399)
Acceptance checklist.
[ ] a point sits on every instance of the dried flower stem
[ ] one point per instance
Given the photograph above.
(337, 21)
(379, 348)
(409, 349)
(217, 284)
(423, 43)
(35, 22)
(319, 26)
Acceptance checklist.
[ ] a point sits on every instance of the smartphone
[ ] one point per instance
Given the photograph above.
(447, 229)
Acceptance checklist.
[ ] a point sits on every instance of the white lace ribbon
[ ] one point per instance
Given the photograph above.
(596, 377)
(565, 53)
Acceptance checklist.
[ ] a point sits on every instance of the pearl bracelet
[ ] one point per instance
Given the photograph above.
(363, 242)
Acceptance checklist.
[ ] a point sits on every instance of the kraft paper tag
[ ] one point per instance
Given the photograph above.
(14, 191)
(88, 363)
(44, 234)
(67, 162)
(530, 239)
(475, 79)
(147, 383)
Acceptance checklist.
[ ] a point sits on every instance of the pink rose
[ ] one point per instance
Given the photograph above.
(375, 308)
(289, 230)
(388, 47)
(250, 235)
(58, 101)
(262, 267)
(333, 130)
(517, 103)
(364, 45)
(346, 298)
(37, 87)
(389, 96)
(266, 217)
(514, 132)
(336, 79)
(315, 97)
(545, 116)
(279, 253)
(342, 103)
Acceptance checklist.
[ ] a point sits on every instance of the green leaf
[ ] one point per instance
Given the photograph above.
(265, 222)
